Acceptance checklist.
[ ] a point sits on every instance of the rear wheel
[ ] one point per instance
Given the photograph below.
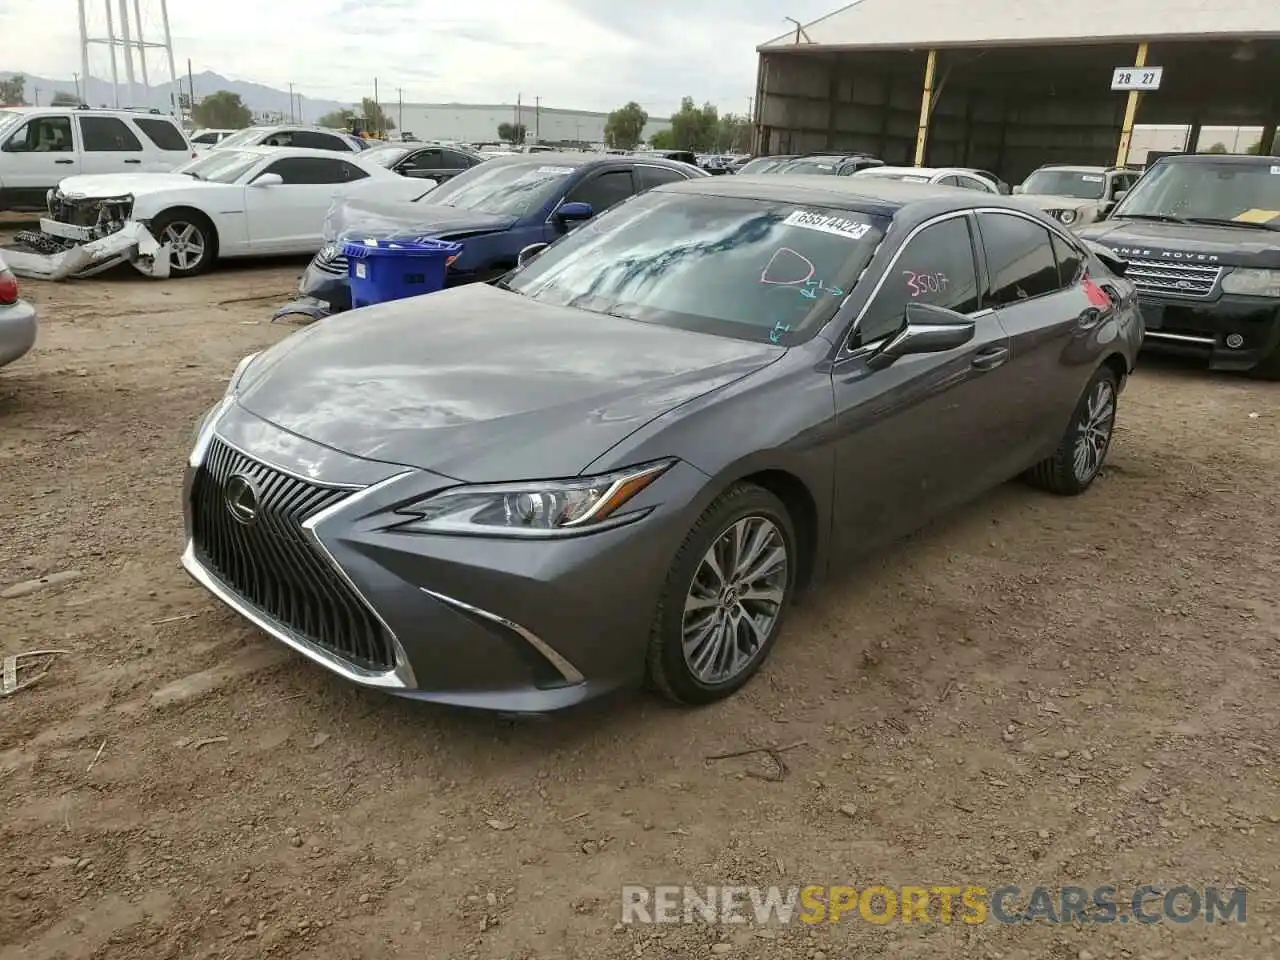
(191, 240)
(1084, 447)
(722, 606)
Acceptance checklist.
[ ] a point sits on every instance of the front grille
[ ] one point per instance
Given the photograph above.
(1173, 279)
(89, 213)
(270, 562)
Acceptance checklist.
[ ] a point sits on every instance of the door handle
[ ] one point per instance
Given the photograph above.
(991, 358)
(133, 161)
(64, 161)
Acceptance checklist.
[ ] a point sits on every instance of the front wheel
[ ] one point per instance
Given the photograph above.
(1084, 447)
(722, 605)
(190, 239)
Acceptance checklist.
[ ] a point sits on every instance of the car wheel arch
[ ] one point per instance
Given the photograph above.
(195, 214)
(802, 507)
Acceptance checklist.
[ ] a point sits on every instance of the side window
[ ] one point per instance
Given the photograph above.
(42, 135)
(209, 138)
(1020, 258)
(108, 135)
(318, 141)
(950, 181)
(969, 183)
(937, 267)
(454, 161)
(1070, 261)
(425, 160)
(162, 133)
(603, 190)
(351, 172)
(649, 177)
(308, 170)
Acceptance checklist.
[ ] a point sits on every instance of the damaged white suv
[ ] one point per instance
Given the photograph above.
(1076, 195)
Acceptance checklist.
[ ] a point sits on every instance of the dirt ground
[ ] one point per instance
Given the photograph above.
(1038, 690)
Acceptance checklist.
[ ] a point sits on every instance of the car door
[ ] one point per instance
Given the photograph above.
(916, 438)
(289, 217)
(108, 145)
(33, 158)
(319, 140)
(420, 164)
(600, 188)
(453, 162)
(1036, 290)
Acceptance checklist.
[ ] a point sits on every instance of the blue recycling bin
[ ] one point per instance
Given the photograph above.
(380, 270)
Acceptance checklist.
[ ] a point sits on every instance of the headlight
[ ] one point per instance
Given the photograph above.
(1067, 217)
(534, 508)
(1252, 283)
(204, 428)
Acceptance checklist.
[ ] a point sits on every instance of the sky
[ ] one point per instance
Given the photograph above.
(585, 54)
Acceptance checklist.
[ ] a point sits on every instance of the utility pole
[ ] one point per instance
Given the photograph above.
(191, 91)
(377, 107)
(84, 54)
(35, 94)
(400, 94)
(515, 131)
(111, 40)
(537, 119)
(291, 101)
(127, 50)
(142, 50)
(76, 78)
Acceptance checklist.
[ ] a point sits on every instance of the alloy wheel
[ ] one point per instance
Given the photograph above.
(734, 599)
(1093, 431)
(186, 244)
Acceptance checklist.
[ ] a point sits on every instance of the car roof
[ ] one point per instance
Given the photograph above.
(878, 195)
(578, 159)
(1074, 168)
(278, 152)
(111, 111)
(1244, 159)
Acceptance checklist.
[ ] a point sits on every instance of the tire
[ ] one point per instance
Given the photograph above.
(1093, 422)
(177, 223)
(750, 628)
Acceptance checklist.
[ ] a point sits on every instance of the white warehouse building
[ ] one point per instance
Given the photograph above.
(474, 123)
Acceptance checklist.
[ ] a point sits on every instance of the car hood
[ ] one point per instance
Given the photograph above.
(1189, 242)
(1049, 201)
(107, 185)
(481, 385)
(383, 218)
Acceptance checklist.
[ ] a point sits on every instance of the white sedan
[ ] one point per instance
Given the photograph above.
(255, 201)
(964, 177)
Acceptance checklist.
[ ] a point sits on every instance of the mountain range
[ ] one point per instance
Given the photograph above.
(258, 97)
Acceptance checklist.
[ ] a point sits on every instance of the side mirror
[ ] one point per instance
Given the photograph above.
(574, 212)
(928, 329)
(268, 180)
(529, 252)
(1118, 196)
(14, 145)
(1018, 189)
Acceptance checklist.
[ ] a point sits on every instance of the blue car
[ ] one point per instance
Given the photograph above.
(495, 210)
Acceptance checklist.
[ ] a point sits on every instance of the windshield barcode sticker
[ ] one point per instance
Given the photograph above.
(840, 226)
(1092, 178)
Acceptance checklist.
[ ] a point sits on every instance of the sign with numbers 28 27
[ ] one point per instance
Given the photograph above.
(1136, 78)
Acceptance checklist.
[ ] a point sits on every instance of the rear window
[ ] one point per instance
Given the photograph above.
(744, 268)
(162, 133)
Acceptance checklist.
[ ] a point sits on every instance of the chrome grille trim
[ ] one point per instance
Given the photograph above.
(1174, 278)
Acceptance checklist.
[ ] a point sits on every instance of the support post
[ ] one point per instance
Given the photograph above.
(1269, 145)
(111, 45)
(926, 106)
(142, 49)
(84, 56)
(127, 49)
(1131, 111)
(173, 70)
(1193, 137)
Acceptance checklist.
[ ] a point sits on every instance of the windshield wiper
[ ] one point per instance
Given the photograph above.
(1162, 217)
(194, 176)
(1224, 222)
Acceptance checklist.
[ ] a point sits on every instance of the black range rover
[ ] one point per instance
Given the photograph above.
(1201, 235)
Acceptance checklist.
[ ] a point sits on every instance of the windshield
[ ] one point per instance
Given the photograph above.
(1066, 183)
(386, 156)
(1243, 193)
(819, 165)
(752, 269)
(9, 119)
(893, 175)
(220, 166)
(244, 138)
(762, 164)
(505, 189)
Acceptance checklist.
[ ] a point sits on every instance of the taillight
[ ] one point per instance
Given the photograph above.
(8, 287)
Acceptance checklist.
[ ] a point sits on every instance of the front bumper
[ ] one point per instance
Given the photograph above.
(18, 325)
(1232, 332)
(502, 624)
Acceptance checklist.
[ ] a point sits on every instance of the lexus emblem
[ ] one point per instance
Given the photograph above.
(242, 498)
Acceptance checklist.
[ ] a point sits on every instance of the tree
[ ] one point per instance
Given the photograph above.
(338, 120)
(511, 132)
(223, 110)
(375, 116)
(734, 133)
(663, 140)
(1257, 151)
(624, 127)
(695, 128)
(63, 99)
(14, 90)
(1217, 148)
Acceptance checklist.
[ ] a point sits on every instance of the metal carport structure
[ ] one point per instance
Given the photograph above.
(1007, 87)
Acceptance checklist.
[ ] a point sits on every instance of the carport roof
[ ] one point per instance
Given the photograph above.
(905, 24)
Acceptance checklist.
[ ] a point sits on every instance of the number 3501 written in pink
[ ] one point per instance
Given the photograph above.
(922, 283)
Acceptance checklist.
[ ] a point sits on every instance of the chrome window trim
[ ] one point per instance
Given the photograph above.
(566, 669)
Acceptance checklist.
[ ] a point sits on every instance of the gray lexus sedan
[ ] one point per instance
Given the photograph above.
(620, 462)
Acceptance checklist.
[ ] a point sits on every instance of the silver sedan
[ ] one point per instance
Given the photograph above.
(17, 319)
